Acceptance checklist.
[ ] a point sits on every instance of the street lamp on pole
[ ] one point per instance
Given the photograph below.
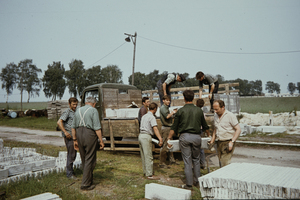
(134, 43)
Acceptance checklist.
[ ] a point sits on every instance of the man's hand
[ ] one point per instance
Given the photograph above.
(160, 142)
(76, 145)
(68, 135)
(169, 145)
(230, 145)
(210, 96)
(101, 145)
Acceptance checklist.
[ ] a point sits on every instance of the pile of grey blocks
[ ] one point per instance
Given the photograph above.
(158, 191)
(251, 181)
(56, 108)
(22, 163)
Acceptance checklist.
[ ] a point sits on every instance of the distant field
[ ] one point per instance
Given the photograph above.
(250, 105)
(26, 106)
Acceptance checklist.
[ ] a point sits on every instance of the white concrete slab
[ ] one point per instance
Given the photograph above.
(158, 191)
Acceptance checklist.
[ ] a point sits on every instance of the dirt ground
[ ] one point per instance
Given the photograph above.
(269, 155)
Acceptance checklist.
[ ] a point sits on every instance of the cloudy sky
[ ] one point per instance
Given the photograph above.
(247, 39)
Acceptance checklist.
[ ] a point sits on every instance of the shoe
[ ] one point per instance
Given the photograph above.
(202, 166)
(196, 185)
(164, 166)
(153, 178)
(87, 187)
(187, 187)
(73, 178)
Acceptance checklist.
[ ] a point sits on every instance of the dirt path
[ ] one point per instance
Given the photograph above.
(276, 157)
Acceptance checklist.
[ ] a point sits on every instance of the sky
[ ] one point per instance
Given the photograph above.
(247, 39)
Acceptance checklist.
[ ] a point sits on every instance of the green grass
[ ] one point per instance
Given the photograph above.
(39, 123)
(117, 175)
(266, 104)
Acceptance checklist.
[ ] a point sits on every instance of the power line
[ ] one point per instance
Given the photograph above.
(220, 52)
(107, 54)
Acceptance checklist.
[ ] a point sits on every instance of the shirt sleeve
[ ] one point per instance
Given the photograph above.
(211, 79)
(169, 79)
(96, 121)
(74, 120)
(153, 122)
(65, 115)
(164, 112)
(233, 120)
(200, 84)
(174, 126)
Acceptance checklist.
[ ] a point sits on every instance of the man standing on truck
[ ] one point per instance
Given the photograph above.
(213, 84)
(144, 109)
(226, 132)
(65, 123)
(147, 130)
(86, 131)
(166, 119)
(165, 83)
(188, 122)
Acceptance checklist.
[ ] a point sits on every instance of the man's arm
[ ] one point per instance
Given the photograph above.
(155, 129)
(164, 86)
(200, 93)
(75, 139)
(99, 134)
(213, 136)
(235, 136)
(61, 126)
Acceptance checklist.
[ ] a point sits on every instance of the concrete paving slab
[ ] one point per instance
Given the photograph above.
(158, 191)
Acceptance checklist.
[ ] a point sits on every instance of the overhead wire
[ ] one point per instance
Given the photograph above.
(220, 52)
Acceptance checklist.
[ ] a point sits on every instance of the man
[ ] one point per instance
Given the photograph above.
(85, 129)
(166, 122)
(147, 130)
(65, 123)
(144, 109)
(213, 84)
(165, 83)
(188, 122)
(226, 132)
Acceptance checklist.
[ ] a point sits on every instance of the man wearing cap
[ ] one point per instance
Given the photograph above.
(86, 130)
(213, 84)
(165, 83)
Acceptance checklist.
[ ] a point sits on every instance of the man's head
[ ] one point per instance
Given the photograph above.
(180, 78)
(200, 76)
(153, 107)
(219, 107)
(91, 101)
(145, 101)
(188, 95)
(166, 100)
(200, 103)
(73, 102)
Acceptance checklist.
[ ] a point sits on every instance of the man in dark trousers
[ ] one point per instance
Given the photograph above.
(86, 131)
(213, 84)
(165, 83)
(65, 123)
(188, 122)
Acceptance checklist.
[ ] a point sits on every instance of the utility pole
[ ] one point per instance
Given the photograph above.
(134, 44)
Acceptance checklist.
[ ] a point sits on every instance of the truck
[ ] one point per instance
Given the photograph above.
(118, 119)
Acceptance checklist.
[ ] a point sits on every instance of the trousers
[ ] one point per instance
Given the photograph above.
(145, 143)
(190, 145)
(87, 142)
(223, 152)
(164, 152)
(71, 156)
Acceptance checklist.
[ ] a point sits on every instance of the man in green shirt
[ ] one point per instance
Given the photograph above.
(188, 122)
(166, 119)
(86, 131)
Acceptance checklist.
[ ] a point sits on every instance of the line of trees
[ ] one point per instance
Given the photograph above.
(24, 77)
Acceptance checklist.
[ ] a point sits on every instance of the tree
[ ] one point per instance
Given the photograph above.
(298, 87)
(8, 78)
(93, 76)
(32, 82)
(140, 81)
(256, 88)
(74, 76)
(272, 87)
(112, 74)
(53, 81)
(221, 78)
(291, 87)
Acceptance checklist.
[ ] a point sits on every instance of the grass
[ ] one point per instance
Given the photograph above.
(117, 175)
(31, 105)
(39, 123)
(275, 104)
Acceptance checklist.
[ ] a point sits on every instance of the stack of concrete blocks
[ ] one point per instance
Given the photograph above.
(23, 163)
(157, 191)
(44, 196)
(251, 181)
(232, 102)
(56, 108)
(248, 129)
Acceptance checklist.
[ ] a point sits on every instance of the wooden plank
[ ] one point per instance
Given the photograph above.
(122, 149)
(122, 142)
(112, 145)
(110, 98)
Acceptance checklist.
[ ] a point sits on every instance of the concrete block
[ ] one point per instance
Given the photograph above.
(175, 144)
(272, 129)
(3, 173)
(157, 191)
(44, 196)
(204, 141)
